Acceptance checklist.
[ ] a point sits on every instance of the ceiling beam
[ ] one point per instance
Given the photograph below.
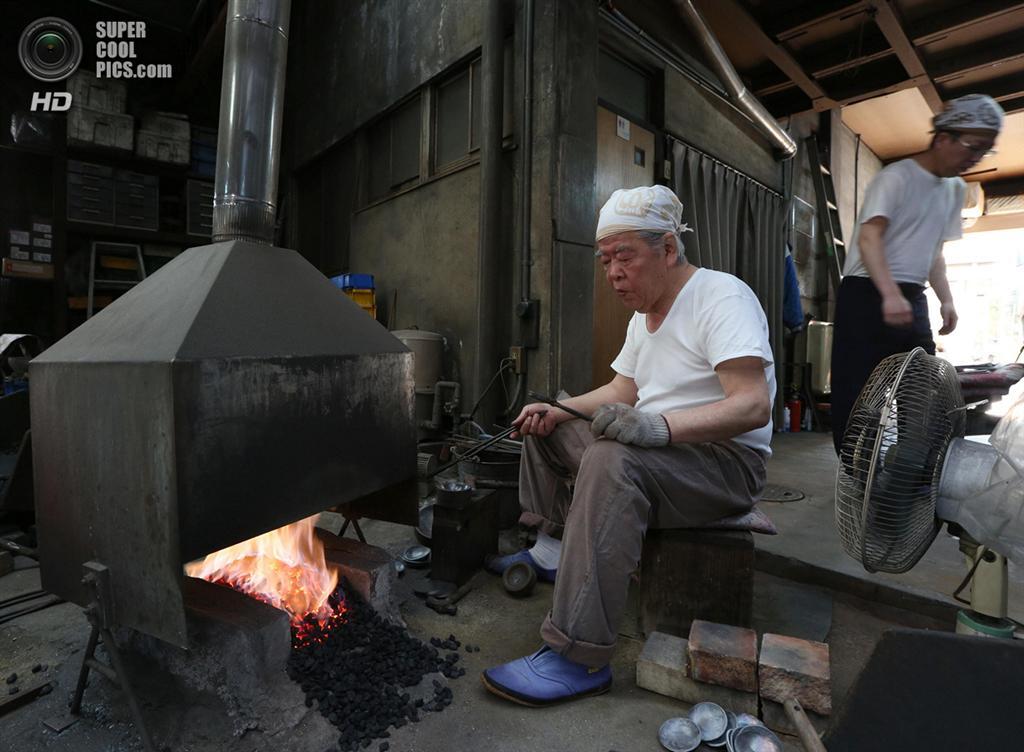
(1011, 106)
(977, 56)
(747, 28)
(1000, 89)
(889, 23)
(801, 20)
(940, 25)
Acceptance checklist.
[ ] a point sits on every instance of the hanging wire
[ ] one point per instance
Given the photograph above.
(505, 363)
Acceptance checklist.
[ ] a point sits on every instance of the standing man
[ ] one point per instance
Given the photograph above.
(910, 209)
(679, 438)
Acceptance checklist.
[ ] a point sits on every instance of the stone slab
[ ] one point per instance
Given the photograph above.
(791, 667)
(724, 655)
(661, 668)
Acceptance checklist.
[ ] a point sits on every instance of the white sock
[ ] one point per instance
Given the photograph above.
(546, 551)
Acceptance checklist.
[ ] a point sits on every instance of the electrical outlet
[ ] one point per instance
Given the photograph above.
(515, 353)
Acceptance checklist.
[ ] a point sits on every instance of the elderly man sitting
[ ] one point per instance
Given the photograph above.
(680, 437)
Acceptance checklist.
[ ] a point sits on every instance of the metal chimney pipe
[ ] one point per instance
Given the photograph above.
(744, 99)
(251, 103)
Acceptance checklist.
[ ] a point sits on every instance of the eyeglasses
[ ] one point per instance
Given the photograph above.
(984, 151)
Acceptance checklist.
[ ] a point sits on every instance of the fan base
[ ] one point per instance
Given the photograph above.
(979, 625)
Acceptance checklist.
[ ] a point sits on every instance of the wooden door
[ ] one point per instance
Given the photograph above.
(625, 159)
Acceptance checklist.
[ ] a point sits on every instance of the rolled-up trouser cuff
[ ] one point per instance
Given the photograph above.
(533, 520)
(577, 651)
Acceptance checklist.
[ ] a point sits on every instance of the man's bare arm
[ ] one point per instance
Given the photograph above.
(940, 284)
(896, 309)
(746, 407)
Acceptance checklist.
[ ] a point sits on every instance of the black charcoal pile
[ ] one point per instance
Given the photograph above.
(359, 670)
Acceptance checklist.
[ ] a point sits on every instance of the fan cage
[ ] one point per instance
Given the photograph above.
(891, 458)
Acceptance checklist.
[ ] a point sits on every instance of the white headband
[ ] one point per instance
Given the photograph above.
(653, 208)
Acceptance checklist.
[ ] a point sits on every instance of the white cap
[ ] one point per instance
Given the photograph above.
(968, 113)
(652, 207)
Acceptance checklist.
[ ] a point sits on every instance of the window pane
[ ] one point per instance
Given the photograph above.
(379, 158)
(623, 86)
(452, 139)
(405, 143)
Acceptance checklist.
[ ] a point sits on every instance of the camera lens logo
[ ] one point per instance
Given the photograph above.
(50, 49)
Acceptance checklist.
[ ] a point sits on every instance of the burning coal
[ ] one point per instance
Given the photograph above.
(285, 568)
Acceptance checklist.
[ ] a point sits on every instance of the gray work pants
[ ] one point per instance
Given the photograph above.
(619, 491)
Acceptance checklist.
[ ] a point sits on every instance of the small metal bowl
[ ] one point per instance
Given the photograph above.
(746, 719)
(679, 735)
(416, 556)
(721, 741)
(710, 719)
(754, 739)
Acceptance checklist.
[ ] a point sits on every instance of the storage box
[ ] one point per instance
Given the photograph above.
(199, 211)
(87, 127)
(161, 147)
(172, 125)
(42, 257)
(106, 95)
(42, 241)
(90, 193)
(18, 253)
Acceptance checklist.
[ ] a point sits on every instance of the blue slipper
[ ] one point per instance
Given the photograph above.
(499, 564)
(545, 678)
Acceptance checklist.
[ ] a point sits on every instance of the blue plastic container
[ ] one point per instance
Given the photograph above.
(353, 281)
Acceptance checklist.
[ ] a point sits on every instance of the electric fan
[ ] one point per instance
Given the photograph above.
(904, 470)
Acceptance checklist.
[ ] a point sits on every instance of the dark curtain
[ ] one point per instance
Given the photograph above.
(738, 227)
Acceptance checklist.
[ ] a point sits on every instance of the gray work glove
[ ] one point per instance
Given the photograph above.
(628, 425)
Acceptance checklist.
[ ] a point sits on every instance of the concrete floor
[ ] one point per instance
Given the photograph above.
(851, 613)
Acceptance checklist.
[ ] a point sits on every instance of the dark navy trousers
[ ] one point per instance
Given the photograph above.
(861, 340)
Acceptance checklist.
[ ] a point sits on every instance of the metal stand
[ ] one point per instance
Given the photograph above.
(355, 526)
(97, 579)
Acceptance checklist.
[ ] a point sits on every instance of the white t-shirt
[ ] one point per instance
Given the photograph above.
(715, 318)
(923, 212)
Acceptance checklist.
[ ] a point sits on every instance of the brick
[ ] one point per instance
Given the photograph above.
(775, 718)
(368, 569)
(724, 655)
(661, 668)
(791, 667)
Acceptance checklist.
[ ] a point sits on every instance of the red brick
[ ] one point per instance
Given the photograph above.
(723, 655)
(791, 667)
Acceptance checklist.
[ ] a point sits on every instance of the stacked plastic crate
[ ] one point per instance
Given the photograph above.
(359, 287)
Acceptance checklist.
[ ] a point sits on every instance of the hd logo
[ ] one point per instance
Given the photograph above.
(50, 50)
(51, 101)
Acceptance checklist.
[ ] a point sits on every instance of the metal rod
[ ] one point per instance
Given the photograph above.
(83, 675)
(126, 687)
(555, 403)
(476, 450)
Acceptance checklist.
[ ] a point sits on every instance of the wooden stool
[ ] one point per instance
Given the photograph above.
(695, 574)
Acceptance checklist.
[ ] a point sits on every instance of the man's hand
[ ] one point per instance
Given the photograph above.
(628, 425)
(949, 318)
(536, 419)
(897, 311)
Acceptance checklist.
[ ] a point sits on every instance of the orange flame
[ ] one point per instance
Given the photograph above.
(285, 568)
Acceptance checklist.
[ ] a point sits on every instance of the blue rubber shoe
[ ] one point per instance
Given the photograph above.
(499, 564)
(546, 678)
